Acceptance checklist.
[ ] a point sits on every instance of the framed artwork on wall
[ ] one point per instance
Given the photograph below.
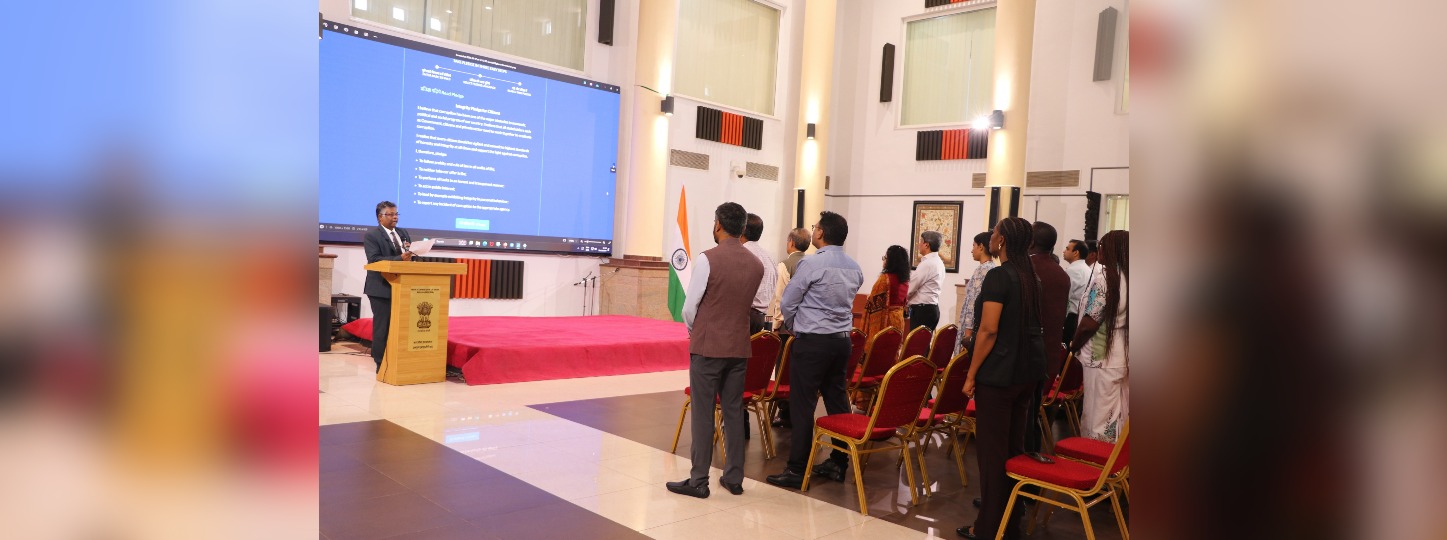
(941, 216)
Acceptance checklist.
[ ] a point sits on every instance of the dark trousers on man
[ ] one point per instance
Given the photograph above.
(926, 315)
(1002, 413)
(756, 321)
(1072, 320)
(722, 378)
(816, 367)
(381, 323)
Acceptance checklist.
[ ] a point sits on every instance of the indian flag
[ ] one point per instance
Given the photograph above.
(679, 268)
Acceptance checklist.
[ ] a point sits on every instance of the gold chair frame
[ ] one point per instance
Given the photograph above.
(1103, 489)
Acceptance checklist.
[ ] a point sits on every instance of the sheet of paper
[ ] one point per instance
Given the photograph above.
(422, 247)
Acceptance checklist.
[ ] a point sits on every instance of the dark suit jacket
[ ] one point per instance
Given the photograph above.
(1054, 292)
(379, 248)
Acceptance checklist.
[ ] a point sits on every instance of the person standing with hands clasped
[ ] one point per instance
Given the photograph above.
(818, 306)
(385, 242)
(716, 311)
(925, 283)
(1007, 364)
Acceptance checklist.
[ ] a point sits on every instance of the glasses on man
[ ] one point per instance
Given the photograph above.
(391, 214)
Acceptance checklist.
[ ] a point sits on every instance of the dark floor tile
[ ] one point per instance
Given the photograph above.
(355, 484)
(331, 458)
(456, 531)
(400, 448)
(380, 517)
(559, 520)
(489, 498)
(447, 469)
(353, 432)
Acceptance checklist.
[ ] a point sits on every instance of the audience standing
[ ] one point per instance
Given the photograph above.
(818, 305)
(1054, 291)
(716, 311)
(753, 230)
(982, 254)
(1007, 366)
(885, 306)
(925, 283)
(1079, 272)
(1103, 341)
(794, 247)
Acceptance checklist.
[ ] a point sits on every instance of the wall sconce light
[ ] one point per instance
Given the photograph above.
(997, 119)
(667, 105)
(809, 131)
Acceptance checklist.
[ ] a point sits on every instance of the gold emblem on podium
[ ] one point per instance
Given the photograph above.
(424, 311)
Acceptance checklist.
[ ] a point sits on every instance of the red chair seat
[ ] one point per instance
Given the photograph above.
(852, 425)
(781, 391)
(1086, 449)
(926, 414)
(1070, 474)
(688, 391)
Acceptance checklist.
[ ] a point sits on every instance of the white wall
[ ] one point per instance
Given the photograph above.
(875, 178)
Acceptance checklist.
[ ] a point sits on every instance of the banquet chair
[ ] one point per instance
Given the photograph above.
(916, 343)
(880, 354)
(946, 414)
(1075, 480)
(765, 349)
(857, 346)
(765, 400)
(1063, 395)
(902, 392)
(942, 345)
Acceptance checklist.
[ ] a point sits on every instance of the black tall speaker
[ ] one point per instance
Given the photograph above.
(1092, 216)
(886, 75)
(605, 21)
(799, 211)
(997, 196)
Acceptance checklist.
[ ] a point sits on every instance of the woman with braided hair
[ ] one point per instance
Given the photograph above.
(1006, 366)
(1104, 348)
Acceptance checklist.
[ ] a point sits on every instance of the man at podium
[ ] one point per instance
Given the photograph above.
(385, 242)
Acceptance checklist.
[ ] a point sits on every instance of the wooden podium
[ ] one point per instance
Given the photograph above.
(417, 340)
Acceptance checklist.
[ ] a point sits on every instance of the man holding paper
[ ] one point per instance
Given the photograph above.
(385, 242)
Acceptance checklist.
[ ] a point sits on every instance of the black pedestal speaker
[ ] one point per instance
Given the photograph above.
(325, 328)
(606, 9)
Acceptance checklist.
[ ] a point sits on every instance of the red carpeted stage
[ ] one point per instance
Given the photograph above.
(494, 350)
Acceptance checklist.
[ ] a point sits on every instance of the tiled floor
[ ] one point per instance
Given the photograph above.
(589, 461)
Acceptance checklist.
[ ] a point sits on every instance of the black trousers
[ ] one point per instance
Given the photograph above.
(722, 379)
(381, 323)
(1071, 321)
(1002, 414)
(816, 367)
(756, 321)
(926, 315)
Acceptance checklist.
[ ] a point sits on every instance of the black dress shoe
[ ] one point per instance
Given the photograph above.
(782, 423)
(978, 502)
(831, 469)
(966, 532)
(788, 479)
(736, 489)
(685, 487)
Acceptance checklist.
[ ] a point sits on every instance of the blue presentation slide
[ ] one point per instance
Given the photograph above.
(476, 152)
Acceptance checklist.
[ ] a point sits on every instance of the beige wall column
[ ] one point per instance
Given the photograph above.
(648, 145)
(1014, 39)
(816, 71)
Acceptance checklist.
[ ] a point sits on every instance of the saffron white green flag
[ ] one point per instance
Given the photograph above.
(680, 259)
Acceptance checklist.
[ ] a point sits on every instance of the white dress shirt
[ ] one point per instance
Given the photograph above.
(698, 282)
(1079, 277)
(765, 294)
(927, 280)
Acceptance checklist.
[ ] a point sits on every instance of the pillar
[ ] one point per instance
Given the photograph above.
(1014, 40)
(816, 72)
(647, 167)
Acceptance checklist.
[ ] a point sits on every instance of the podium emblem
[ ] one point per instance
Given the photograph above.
(424, 311)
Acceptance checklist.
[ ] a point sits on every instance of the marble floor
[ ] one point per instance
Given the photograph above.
(549, 459)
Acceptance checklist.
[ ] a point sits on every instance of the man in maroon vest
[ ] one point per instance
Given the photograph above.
(716, 309)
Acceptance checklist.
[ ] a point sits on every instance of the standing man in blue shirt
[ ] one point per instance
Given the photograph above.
(817, 305)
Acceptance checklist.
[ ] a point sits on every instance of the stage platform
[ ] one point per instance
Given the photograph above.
(492, 350)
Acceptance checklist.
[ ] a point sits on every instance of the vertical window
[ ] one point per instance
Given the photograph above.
(1117, 213)
(949, 64)
(551, 31)
(727, 53)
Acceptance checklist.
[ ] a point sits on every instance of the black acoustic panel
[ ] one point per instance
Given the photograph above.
(1014, 201)
(605, 21)
(709, 124)
(929, 145)
(978, 144)
(1092, 216)
(799, 211)
(938, 3)
(1105, 44)
(886, 75)
(753, 133)
(994, 206)
(506, 282)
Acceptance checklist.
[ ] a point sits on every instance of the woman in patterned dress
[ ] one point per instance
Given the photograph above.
(981, 253)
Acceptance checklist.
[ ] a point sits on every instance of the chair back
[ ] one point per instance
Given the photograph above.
(916, 344)
(1072, 377)
(1119, 458)
(943, 345)
(881, 352)
(765, 345)
(857, 343)
(781, 377)
(902, 393)
(951, 397)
